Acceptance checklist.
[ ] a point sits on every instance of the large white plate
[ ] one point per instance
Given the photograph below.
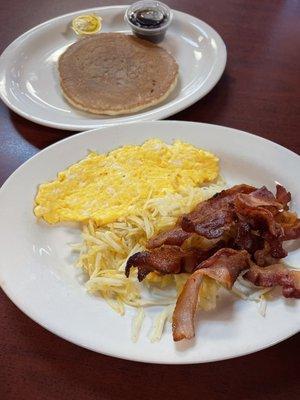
(29, 82)
(37, 273)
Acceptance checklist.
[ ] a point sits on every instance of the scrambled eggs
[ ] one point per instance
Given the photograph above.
(106, 187)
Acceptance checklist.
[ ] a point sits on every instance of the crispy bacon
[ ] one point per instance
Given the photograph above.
(249, 224)
(276, 275)
(259, 209)
(258, 213)
(283, 196)
(215, 216)
(246, 239)
(224, 266)
(292, 231)
(213, 213)
(251, 217)
(275, 243)
(212, 226)
(174, 237)
(260, 198)
(168, 260)
(263, 258)
(290, 224)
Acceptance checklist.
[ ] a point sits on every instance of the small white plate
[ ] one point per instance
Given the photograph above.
(29, 82)
(37, 271)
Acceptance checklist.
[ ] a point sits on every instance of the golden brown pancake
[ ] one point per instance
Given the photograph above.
(114, 73)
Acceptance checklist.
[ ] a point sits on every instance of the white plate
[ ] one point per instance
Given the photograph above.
(37, 273)
(29, 82)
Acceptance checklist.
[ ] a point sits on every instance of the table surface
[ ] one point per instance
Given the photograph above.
(260, 93)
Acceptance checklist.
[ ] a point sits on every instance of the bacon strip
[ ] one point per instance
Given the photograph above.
(168, 260)
(276, 275)
(246, 239)
(224, 266)
(292, 231)
(263, 256)
(283, 196)
(257, 212)
(215, 216)
(174, 237)
(268, 214)
(260, 198)
(206, 211)
(290, 224)
(259, 209)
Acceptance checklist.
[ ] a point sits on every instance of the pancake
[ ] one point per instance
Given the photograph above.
(114, 73)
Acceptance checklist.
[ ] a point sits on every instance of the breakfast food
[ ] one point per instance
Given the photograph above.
(159, 229)
(114, 73)
(250, 226)
(105, 187)
(143, 189)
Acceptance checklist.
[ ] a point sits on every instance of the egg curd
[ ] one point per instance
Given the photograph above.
(106, 187)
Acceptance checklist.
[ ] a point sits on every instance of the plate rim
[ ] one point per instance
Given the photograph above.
(217, 70)
(135, 358)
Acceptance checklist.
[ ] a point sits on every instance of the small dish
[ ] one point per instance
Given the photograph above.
(149, 19)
